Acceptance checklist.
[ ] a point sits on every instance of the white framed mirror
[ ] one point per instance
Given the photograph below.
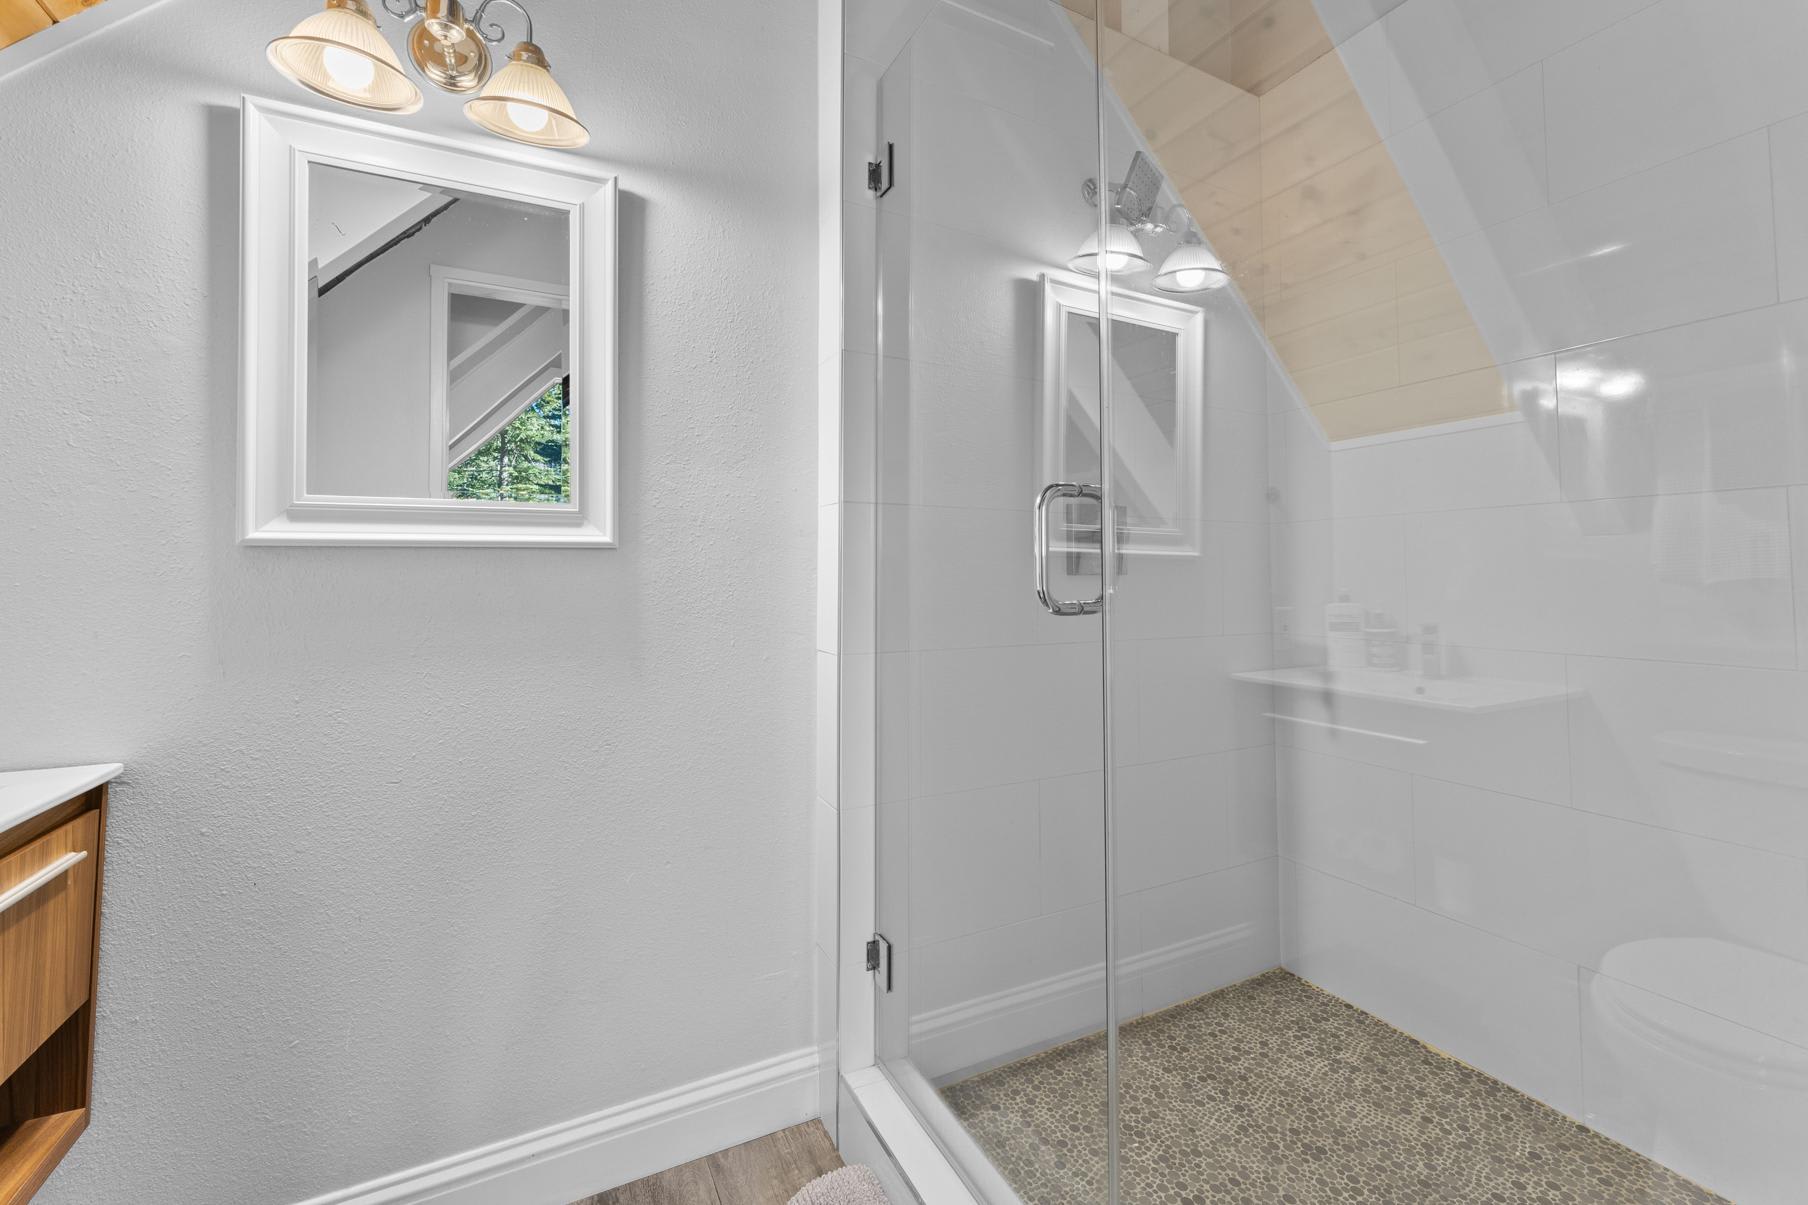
(428, 339)
(1158, 367)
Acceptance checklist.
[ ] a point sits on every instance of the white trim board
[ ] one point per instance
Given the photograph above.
(32, 50)
(574, 1159)
(958, 1040)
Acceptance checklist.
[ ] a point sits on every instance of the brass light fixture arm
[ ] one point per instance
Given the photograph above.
(495, 33)
(408, 10)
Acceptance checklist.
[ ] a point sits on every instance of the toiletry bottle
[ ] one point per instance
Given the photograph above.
(1345, 646)
(1431, 651)
(1386, 650)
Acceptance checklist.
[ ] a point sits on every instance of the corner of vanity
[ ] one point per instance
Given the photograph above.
(53, 828)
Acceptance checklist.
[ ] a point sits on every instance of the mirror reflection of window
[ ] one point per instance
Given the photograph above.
(439, 342)
(528, 459)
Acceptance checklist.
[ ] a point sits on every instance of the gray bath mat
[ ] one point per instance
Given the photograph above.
(855, 1185)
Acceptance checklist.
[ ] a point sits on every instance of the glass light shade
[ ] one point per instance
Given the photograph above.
(1191, 268)
(523, 101)
(1122, 253)
(340, 54)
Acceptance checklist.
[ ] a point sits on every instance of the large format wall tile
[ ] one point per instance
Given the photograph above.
(1789, 175)
(1716, 405)
(990, 716)
(1502, 1007)
(1510, 464)
(1342, 18)
(974, 861)
(1798, 525)
(952, 435)
(1348, 819)
(1445, 50)
(1200, 934)
(1685, 577)
(1677, 77)
(1180, 699)
(1713, 750)
(1479, 162)
(1686, 240)
(1579, 885)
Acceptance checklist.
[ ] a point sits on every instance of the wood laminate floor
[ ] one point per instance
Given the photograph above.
(766, 1171)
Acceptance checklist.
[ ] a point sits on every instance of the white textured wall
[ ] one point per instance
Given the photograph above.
(358, 916)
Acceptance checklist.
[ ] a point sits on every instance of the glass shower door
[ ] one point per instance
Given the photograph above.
(990, 815)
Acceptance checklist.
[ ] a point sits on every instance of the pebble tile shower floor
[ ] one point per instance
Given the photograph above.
(1272, 1091)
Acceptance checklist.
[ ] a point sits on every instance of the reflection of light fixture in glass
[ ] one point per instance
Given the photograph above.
(1578, 378)
(1621, 385)
(1122, 252)
(1590, 381)
(525, 103)
(340, 54)
(1191, 268)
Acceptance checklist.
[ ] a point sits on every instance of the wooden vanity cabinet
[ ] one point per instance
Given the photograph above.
(50, 877)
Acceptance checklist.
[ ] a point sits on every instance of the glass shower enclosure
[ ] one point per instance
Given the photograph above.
(1341, 484)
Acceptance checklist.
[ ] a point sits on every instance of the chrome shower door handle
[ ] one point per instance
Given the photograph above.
(1061, 489)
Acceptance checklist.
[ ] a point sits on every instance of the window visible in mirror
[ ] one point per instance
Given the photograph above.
(527, 460)
(485, 278)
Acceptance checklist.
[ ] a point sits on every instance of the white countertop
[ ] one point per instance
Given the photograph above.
(27, 793)
(1410, 690)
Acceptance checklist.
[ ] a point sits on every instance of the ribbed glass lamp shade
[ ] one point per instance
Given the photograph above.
(524, 102)
(1191, 268)
(340, 54)
(1122, 253)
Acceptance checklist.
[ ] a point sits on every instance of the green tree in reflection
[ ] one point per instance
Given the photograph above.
(529, 460)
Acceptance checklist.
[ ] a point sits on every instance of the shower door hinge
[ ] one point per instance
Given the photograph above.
(878, 960)
(882, 173)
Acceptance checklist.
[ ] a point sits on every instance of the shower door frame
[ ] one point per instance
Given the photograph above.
(870, 1114)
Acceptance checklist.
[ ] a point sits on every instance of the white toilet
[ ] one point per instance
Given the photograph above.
(1695, 1051)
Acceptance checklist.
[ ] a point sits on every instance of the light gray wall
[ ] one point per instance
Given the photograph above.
(358, 915)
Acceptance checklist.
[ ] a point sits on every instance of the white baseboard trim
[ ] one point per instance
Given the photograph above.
(573, 1159)
(961, 1039)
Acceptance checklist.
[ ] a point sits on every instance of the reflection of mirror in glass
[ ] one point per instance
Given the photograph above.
(1147, 452)
(438, 343)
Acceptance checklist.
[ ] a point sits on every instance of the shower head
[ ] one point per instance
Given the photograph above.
(1140, 190)
(1134, 203)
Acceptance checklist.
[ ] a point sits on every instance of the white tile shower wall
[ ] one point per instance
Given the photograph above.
(990, 747)
(1579, 861)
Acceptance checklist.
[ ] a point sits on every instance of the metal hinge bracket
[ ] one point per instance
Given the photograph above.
(878, 960)
(881, 174)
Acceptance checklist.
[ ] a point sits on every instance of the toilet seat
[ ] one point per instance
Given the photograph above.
(1759, 998)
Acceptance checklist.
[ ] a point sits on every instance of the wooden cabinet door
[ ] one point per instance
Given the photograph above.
(46, 937)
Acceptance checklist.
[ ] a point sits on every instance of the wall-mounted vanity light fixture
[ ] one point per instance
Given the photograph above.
(1122, 252)
(1189, 268)
(341, 54)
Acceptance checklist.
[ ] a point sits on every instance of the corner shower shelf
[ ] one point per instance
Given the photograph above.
(1469, 696)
